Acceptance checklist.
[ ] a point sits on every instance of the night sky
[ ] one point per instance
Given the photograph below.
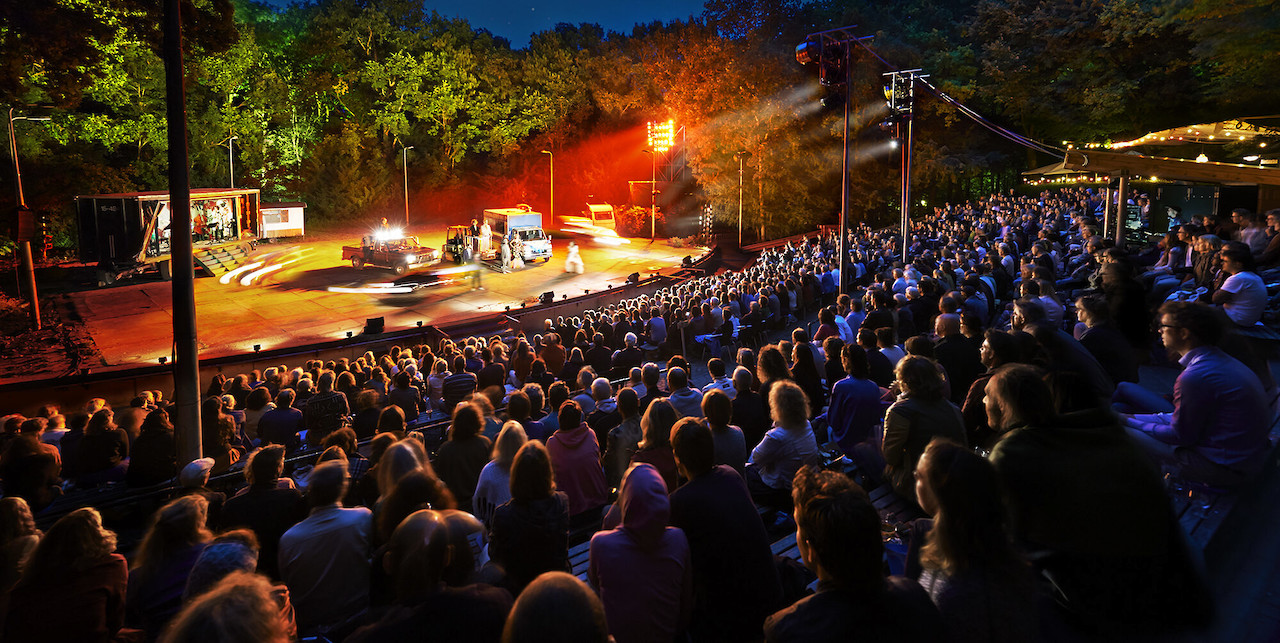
(516, 20)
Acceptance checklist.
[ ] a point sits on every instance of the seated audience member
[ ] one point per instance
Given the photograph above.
(30, 467)
(687, 401)
(998, 350)
(957, 355)
(809, 378)
(585, 401)
(103, 453)
(493, 489)
(325, 558)
(520, 410)
(788, 446)
(575, 458)
(981, 586)
(365, 422)
(1104, 341)
(265, 507)
(649, 375)
(1243, 295)
(256, 405)
(642, 569)
(655, 449)
(281, 424)
(461, 458)
(530, 533)
(241, 607)
(748, 408)
(392, 421)
(855, 408)
(419, 557)
(1215, 430)
(163, 562)
(229, 553)
(458, 386)
(730, 443)
(154, 457)
(838, 533)
(327, 409)
(880, 366)
(406, 396)
(624, 439)
(1056, 469)
(1079, 382)
(193, 480)
(921, 414)
(715, 368)
(74, 565)
(735, 583)
(18, 538)
(557, 607)
(605, 416)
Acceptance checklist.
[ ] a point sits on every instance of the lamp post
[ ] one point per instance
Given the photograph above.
(551, 157)
(740, 155)
(24, 247)
(404, 160)
(231, 159)
(653, 195)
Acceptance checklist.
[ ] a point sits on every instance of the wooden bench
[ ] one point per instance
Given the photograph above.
(1202, 514)
(580, 559)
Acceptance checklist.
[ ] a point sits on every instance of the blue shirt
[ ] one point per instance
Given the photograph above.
(854, 411)
(1219, 409)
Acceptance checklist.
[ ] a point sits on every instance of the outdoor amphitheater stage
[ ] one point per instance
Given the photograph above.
(303, 294)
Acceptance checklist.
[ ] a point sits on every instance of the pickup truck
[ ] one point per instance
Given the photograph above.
(400, 254)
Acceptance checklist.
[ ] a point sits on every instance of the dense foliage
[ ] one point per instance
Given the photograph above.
(321, 98)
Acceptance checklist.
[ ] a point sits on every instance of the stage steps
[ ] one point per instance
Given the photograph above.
(221, 259)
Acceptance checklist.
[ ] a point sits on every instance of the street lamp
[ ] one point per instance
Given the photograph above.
(231, 159)
(24, 247)
(740, 155)
(551, 157)
(404, 160)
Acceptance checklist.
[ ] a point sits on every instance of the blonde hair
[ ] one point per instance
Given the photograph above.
(239, 608)
(509, 441)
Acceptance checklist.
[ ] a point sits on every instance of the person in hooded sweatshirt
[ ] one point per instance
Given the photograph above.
(642, 569)
(575, 458)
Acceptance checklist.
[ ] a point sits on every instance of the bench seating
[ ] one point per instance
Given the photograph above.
(1202, 517)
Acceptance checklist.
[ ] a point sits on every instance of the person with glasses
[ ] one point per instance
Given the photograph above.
(1214, 430)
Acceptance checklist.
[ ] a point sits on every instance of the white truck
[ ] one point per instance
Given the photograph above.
(523, 222)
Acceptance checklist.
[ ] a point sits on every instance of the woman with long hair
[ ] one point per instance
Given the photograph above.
(464, 454)
(18, 538)
(256, 405)
(164, 560)
(655, 449)
(530, 532)
(969, 567)
(771, 368)
(494, 486)
(103, 455)
(74, 564)
(155, 457)
(808, 378)
(921, 413)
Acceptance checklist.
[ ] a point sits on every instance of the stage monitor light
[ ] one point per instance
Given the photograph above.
(547, 297)
(374, 325)
(809, 51)
(257, 347)
(633, 278)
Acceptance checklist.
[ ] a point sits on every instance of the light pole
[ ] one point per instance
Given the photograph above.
(404, 160)
(231, 159)
(24, 247)
(551, 157)
(740, 155)
(653, 195)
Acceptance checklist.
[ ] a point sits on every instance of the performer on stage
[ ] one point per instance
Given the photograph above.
(486, 239)
(517, 251)
(574, 261)
(506, 255)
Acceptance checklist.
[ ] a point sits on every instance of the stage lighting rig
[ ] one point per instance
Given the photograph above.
(832, 52)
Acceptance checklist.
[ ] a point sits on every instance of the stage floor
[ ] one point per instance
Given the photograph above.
(292, 304)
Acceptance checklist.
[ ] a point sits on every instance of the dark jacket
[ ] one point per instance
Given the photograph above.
(530, 537)
(154, 459)
(458, 465)
(734, 581)
(900, 612)
(269, 512)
